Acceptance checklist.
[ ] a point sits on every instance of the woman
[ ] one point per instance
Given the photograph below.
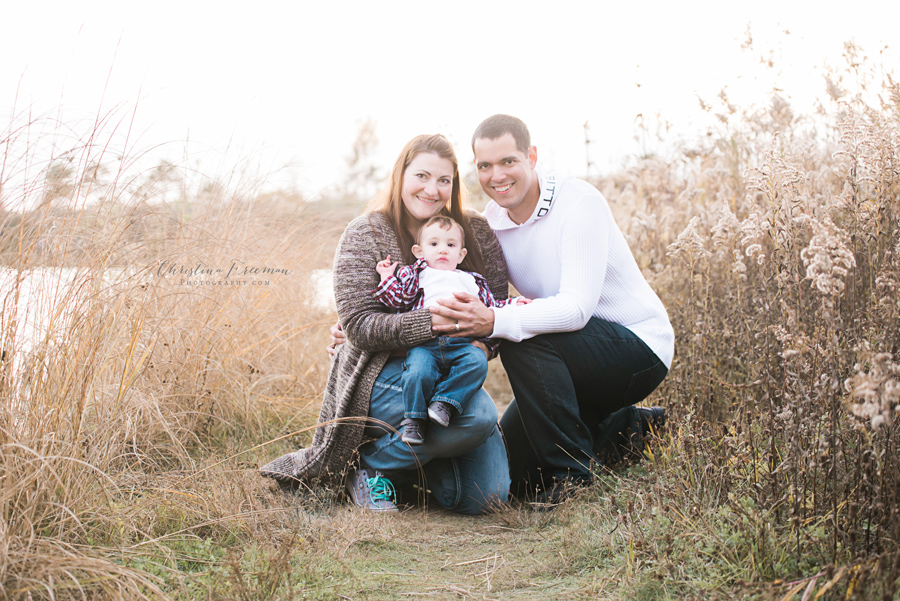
(464, 465)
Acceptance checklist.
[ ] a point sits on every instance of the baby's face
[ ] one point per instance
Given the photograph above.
(442, 249)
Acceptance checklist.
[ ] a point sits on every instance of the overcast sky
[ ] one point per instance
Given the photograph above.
(285, 84)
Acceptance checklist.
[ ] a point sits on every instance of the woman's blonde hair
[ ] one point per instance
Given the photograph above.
(389, 202)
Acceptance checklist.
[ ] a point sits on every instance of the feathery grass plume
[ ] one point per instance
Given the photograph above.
(689, 246)
(827, 258)
(726, 228)
(876, 389)
(725, 240)
(754, 229)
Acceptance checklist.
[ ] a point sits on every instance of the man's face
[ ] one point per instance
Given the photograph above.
(507, 175)
(441, 248)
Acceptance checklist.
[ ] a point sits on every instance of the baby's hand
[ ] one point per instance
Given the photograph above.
(522, 300)
(385, 268)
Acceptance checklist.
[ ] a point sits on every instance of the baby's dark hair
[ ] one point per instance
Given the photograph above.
(446, 223)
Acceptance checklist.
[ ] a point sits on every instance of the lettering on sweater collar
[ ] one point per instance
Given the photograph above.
(548, 195)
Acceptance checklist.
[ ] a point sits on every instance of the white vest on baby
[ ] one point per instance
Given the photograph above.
(440, 283)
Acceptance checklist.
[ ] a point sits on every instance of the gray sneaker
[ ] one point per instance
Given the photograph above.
(412, 432)
(440, 413)
(372, 491)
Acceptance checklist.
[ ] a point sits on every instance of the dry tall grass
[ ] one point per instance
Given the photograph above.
(141, 338)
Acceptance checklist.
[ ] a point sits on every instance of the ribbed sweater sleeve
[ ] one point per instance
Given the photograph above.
(583, 250)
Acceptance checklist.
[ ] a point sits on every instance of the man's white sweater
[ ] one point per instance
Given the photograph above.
(572, 259)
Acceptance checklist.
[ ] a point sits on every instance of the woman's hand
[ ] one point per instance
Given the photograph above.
(481, 345)
(337, 339)
(440, 320)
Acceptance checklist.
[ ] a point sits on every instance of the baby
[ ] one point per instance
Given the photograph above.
(444, 372)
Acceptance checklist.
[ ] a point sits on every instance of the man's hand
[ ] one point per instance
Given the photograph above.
(472, 318)
(523, 301)
(337, 339)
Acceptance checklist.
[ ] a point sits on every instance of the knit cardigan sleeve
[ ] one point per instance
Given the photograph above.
(368, 324)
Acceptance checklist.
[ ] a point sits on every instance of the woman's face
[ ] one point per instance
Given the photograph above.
(426, 188)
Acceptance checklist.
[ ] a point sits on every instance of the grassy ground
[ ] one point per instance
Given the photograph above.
(641, 532)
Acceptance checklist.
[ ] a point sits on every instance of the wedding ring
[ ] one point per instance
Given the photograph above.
(457, 326)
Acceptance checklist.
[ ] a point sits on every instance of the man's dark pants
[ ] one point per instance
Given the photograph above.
(568, 389)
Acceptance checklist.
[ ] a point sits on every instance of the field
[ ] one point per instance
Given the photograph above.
(139, 397)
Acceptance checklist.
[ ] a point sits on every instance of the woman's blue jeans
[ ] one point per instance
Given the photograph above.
(464, 465)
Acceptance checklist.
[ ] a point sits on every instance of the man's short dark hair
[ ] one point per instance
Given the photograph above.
(499, 125)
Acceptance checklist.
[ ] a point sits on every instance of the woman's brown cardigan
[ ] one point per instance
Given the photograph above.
(372, 332)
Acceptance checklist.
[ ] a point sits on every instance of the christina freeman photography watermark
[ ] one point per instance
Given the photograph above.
(237, 273)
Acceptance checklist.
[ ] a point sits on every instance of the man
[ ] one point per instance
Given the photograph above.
(595, 340)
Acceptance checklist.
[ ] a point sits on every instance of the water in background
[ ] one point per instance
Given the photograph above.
(323, 288)
(37, 305)
(30, 302)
